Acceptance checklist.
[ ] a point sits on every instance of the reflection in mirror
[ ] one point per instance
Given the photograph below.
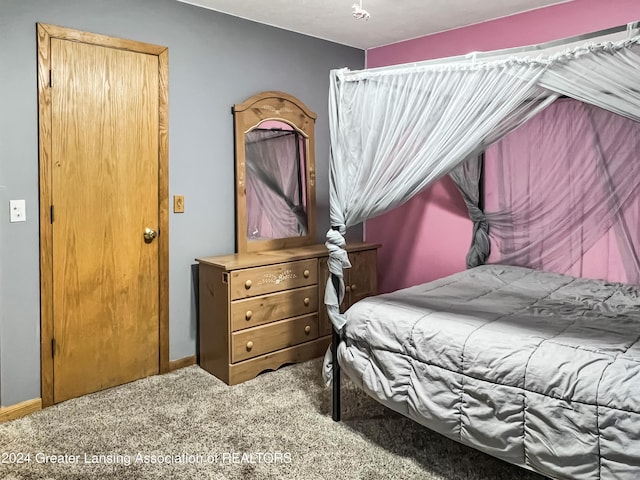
(275, 182)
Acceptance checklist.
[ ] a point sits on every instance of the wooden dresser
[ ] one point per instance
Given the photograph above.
(259, 311)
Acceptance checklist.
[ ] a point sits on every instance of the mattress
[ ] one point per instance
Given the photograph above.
(539, 369)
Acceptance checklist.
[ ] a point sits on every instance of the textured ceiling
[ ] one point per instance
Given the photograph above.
(389, 21)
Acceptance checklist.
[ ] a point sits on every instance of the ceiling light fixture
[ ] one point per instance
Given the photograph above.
(359, 12)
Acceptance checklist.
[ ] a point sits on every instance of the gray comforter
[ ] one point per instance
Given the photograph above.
(539, 369)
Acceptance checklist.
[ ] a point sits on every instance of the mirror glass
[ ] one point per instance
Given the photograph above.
(275, 155)
(275, 176)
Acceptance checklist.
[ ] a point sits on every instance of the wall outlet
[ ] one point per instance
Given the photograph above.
(178, 204)
(18, 211)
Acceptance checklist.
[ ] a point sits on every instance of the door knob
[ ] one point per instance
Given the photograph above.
(149, 235)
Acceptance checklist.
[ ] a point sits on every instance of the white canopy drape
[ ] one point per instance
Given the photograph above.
(562, 194)
(394, 132)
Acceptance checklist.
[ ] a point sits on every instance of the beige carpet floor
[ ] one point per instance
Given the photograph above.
(189, 425)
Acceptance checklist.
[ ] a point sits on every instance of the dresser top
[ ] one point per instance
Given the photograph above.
(236, 261)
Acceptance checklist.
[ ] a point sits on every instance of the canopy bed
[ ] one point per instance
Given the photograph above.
(534, 367)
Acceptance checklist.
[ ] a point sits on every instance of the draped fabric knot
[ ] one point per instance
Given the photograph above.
(467, 177)
(338, 260)
(481, 245)
(335, 290)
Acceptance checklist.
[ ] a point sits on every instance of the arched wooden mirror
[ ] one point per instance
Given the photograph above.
(275, 173)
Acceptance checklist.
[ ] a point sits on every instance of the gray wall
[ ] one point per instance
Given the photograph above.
(214, 61)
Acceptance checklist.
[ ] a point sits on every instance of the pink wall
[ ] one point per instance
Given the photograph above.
(428, 237)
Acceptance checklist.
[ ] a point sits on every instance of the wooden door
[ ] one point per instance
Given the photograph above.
(105, 192)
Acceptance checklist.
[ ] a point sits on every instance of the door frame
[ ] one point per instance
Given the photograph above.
(45, 33)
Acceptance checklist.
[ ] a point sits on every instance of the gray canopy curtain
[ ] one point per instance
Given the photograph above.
(468, 177)
(557, 187)
(395, 131)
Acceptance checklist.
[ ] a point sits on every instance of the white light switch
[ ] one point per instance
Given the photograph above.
(18, 211)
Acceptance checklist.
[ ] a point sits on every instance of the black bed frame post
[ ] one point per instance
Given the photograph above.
(335, 367)
(335, 339)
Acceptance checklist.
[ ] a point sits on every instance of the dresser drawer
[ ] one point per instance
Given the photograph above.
(267, 338)
(251, 282)
(255, 311)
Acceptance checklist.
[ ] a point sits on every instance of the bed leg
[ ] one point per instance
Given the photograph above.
(335, 340)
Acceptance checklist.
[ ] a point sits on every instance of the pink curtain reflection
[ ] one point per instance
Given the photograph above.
(275, 194)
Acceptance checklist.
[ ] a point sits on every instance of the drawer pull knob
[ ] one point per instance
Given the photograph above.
(247, 284)
(353, 287)
(306, 273)
(348, 288)
(248, 315)
(249, 346)
(307, 301)
(307, 329)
